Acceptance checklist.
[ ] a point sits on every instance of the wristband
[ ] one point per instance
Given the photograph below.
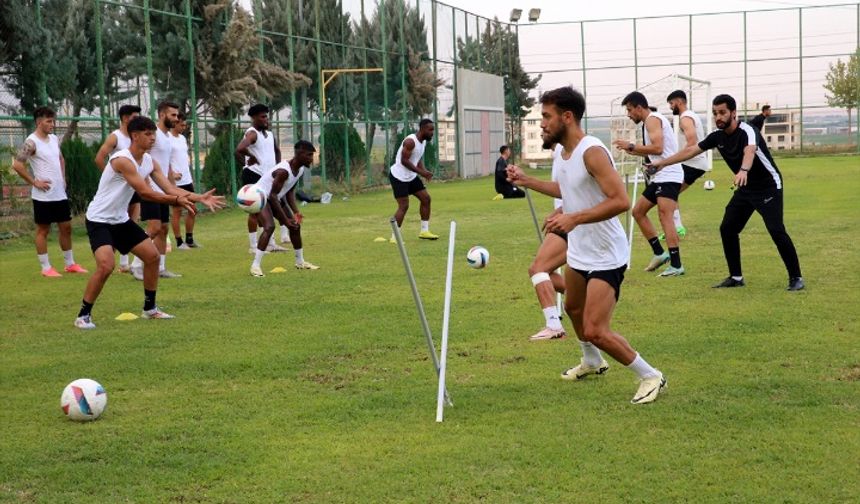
(748, 169)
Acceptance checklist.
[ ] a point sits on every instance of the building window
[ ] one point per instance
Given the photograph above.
(532, 135)
(451, 138)
(780, 138)
(769, 139)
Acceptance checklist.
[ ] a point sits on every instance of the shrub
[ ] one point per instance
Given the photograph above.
(335, 164)
(82, 175)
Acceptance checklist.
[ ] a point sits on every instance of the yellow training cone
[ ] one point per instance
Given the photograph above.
(380, 239)
(126, 316)
(278, 269)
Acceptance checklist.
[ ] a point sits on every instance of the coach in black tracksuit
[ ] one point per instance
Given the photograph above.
(758, 184)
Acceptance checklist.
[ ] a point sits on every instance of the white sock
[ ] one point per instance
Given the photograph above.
(590, 354)
(737, 278)
(285, 233)
(123, 260)
(425, 225)
(300, 256)
(258, 257)
(642, 368)
(161, 263)
(69, 257)
(553, 321)
(44, 261)
(137, 263)
(252, 239)
(676, 216)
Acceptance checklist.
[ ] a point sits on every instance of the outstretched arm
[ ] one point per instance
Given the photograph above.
(179, 197)
(518, 177)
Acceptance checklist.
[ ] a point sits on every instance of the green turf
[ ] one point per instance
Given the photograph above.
(317, 386)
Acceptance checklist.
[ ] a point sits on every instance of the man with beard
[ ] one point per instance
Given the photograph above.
(403, 175)
(157, 215)
(758, 188)
(592, 195)
(662, 189)
(692, 133)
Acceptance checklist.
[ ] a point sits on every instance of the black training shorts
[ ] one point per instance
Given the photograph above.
(47, 212)
(405, 189)
(613, 277)
(691, 174)
(154, 211)
(249, 177)
(656, 190)
(122, 237)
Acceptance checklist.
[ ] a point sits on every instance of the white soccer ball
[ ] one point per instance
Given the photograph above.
(251, 199)
(477, 257)
(83, 400)
(709, 185)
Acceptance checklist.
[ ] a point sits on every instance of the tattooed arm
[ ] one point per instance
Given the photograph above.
(25, 152)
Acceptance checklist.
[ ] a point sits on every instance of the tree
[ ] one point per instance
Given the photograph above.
(843, 83)
(496, 51)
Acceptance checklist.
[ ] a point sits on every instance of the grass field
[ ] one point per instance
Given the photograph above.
(317, 386)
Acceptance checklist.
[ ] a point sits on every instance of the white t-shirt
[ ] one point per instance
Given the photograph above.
(401, 172)
(179, 161)
(671, 173)
(598, 246)
(110, 204)
(122, 141)
(268, 179)
(45, 163)
(701, 161)
(160, 153)
(556, 152)
(263, 149)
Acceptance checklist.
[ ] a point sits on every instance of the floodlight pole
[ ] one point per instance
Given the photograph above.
(419, 305)
(328, 75)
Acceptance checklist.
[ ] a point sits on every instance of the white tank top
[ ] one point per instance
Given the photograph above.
(110, 204)
(671, 173)
(555, 154)
(45, 163)
(268, 179)
(123, 142)
(179, 161)
(160, 153)
(700, 161)
(598, 246)
(263, 149)
(401, 172)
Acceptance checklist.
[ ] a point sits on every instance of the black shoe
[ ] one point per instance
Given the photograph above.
(730, 282)
(795, 284)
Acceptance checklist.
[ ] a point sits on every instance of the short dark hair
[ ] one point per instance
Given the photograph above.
(258, 108)
(166, 104)
(567, 99)
(181, 116)
(304, 145)
(140, 123)
(503, 148)
(726, 100)
(652, 108)
(765, 108)
(41, 112)
(424, 122)
(636, 99)
(127, 110)
(678, 93)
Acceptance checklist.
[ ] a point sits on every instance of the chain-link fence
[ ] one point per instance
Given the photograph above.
(777, 57)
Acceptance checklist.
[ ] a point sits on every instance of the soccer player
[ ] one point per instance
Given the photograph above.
(258, 151)
(109, 226)
(50, 203)
(115, 142)
(505, 189)
(692, 132)
(404, 173)
(592, 195)
(157, 215)
(279, 184)
(759, 120)
(551, 255)
(758, 188)
(663, 189)
(180, 165)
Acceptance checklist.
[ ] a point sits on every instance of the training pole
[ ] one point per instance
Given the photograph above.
(419, 305)
(632, 223)
(446, 317)
(534, 215)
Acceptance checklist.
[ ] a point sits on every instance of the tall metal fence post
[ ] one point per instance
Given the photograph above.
(635, 57)
(800, 73)
(43, 85)
(150, 80)
(457, 118)
(320, 84)
(97, 17)
(434, 6)
(381, 12)
(582, 54)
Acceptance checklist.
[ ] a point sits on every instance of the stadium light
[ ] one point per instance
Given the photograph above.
(534, 14)
(516, 14)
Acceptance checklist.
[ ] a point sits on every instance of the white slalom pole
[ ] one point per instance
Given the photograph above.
(632, 223)
(419, 305)
(446, 317)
